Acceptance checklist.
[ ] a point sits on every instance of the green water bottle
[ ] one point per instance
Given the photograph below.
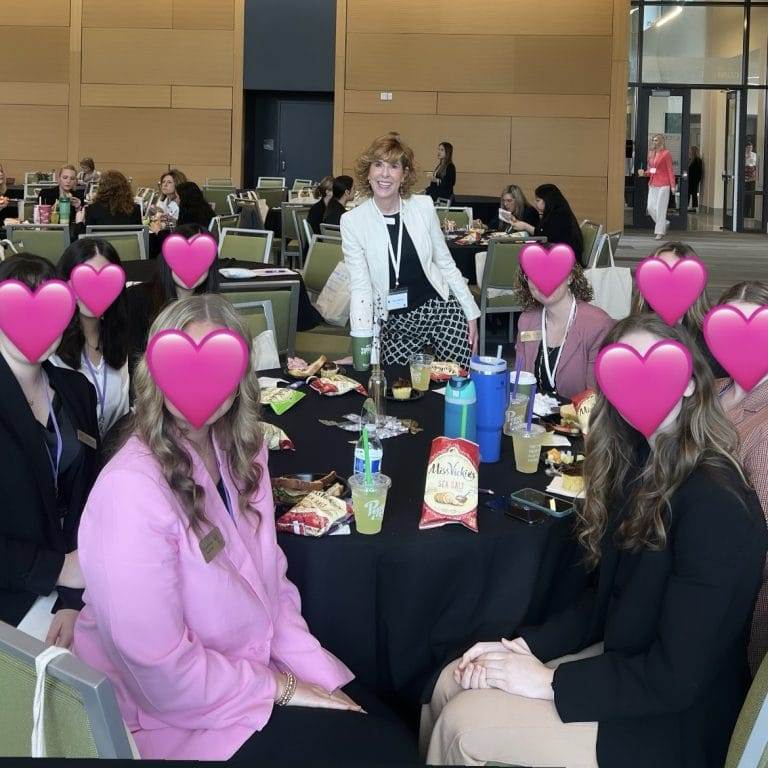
(64, 210)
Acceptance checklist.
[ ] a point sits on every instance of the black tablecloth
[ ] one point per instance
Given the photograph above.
(395, 607)
(464, 256)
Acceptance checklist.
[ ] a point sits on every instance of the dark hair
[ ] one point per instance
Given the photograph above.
(114, 322)
(87, 162)
(447, 160)
(28, 269)
(193, 207)
(749, 291)
(556, 206)
(342, 184)
(115, 193)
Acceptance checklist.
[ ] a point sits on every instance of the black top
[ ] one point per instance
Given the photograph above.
(443, 186)
(201, 215)
(695, 171)
(559, 227)
(668, 688)
(412, 275)
(50, 195)
(140, 307)
(97, 214)
(542, 380)
(333, 212)
(530, 216)
(315, 215)
(36, 528)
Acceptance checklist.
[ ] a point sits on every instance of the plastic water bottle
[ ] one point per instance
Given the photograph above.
(375, 451)
(460, 418)
(64, 210)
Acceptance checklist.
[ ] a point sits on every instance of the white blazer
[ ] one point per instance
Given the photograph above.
(364, 239)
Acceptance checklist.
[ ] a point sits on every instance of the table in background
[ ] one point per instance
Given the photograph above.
(395, 607)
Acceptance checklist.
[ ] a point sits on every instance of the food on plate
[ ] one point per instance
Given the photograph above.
(573, 478)
(568, 415)
(314, 515)
(401, 389)
(301, 370)
(276, 438)
(288, 490)
(584, 403)
(328, 368)
(442, 371)
(336, 384)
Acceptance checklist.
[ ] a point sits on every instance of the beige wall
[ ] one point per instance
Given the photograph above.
(528, 92)
(136, 85)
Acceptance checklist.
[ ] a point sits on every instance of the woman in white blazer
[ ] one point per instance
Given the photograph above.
(400, 268)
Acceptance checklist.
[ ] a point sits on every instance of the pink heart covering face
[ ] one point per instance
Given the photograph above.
(671, 290)
(197, 378)
(97, 289)
(33, 321)
(739, 344)
(547, 269)
(644, 389)
(189, 259)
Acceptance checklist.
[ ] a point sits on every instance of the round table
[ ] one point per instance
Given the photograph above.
(396, 606)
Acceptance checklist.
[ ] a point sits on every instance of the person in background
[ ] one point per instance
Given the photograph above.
(324, 194)
(88, 173)
(557, 222)
(650, 668)
(559, 336)
(114, 203)
(750, 180)
(209, 655)
(693, 320)
(748, 411)
(169, 197)
(661, 184)
(342, 194)
(49, 443)
(193, 207)
(9, 208)
(514, 202)
(97, 346)
(66, 188)
(444, 175)
(695, 175)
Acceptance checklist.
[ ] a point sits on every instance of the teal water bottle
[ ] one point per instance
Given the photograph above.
(460, 418)
(64, 210)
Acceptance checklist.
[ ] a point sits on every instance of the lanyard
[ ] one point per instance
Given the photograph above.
(227, 500)
(59, 442)
(101, 392)
(395, 259)
(545, 350)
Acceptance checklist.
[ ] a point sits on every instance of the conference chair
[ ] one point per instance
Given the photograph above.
(590, 234)
(442, 202)
(117, 229)
(129, 245)
(271, 181)
(218, 223)
(217, 196)
(48, 240)
(609, 243)
(257, 314)
(332, 230)
(290, 246)
(301, 227)
(301, 183)
(749, 740)
(273, 196)
(461, 217)
(219, 182)
(245, 244)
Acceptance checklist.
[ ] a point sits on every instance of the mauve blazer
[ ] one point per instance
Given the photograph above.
(576, 370)
(191, 648)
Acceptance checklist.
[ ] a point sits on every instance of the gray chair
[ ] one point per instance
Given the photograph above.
(322, 258)
(245, 244)
(129, 245)
(256, 314)
(591, 234)
(332, 230)
(271, 181)
(219, 182)
(217, 197)
(272, 196)
(117, 229)
(47, 240)
(302, 183)
(219, 223)
(82, 719)
(290, 245)
(461, 217)
(609, 244)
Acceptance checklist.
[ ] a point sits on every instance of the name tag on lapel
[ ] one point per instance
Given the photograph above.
(86, 439)
(211, 544)
(530, 336)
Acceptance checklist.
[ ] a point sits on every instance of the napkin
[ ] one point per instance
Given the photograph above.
(556, 486)
(544, 405)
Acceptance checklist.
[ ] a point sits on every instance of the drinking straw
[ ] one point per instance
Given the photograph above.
(518, 368)
(367, 452)
(464, 421)
(529, 414)
(498, 351)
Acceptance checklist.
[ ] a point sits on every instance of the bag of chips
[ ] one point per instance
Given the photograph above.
(315, 515)
(450, 491)
(276, 438)
(280, 399)
(336, 384)
(584, 402)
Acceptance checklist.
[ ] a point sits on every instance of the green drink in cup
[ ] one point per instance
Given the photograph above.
(527, 446)
(368, 501)
(420, 370)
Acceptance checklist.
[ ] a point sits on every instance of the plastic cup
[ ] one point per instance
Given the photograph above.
(368, 503)
(420, 370)
(516, 412)
(362, 343)
(524, 384)
(527, 447)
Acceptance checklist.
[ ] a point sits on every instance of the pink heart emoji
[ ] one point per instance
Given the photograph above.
(547, 268)
(739, 344)
(33, 321)
(671, 290)
(97, 289)
(189, 259)
(197, 378)
(644, 388)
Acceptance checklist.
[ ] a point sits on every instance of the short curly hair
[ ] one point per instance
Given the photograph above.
(580, 288)
(393, 150)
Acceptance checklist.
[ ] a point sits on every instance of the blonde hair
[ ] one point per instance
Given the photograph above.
(518, 196)
(238, 431)
(68, 168)
(324, 185)
(390, 149)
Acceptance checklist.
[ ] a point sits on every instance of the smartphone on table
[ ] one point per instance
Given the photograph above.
(544, 502)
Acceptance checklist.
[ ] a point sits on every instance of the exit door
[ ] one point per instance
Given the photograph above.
(305, 140)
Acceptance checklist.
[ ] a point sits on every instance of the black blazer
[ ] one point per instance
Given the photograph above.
(560, 227)
(315, 215)
(32, 541)
(50, 195)
(443, 186)
(333, 212)
(668, 689)
(97, 214)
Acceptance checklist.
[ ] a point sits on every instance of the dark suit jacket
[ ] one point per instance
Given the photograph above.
(668, 689)
(97, 214)
(50, 195)
(442, 187)
(32, 541)
(562, 228)
(315, 215)
(333, 212)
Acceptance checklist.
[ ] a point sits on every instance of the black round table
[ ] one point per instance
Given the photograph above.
(464, 256)
(397, 606)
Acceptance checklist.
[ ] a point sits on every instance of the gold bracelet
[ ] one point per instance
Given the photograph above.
(290, 689)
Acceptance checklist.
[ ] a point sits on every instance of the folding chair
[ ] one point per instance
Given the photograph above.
(271, 181)
(47, 240)
(245, 244)
(129, 245)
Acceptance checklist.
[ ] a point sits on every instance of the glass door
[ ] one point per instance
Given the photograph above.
(729, 159)
(666, 112)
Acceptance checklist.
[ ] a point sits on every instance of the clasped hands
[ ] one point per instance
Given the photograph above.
(509, 666)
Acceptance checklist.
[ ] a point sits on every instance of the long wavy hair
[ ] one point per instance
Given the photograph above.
(115, 193)
(442, 166)
(392, 149)
(693, 319)
(615, 467)
(518, 196)
(238, 431)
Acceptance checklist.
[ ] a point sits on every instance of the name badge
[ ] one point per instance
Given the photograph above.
(211, 544)
(530, 336)
(86, 439)
(397, 299)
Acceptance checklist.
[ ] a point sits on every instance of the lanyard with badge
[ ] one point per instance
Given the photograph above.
(397, 298)
(545, 348)
(101, 392)
(59, 443)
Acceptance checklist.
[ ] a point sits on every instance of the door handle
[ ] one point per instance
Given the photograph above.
(282, 165)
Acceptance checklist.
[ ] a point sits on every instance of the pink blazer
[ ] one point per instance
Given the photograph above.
(191, 648)
(576, 370)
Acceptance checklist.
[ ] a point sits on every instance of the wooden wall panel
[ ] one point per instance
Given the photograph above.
(15, 168)
(402, 102)
(95, 95)
(482, 17)
(499, 63)
(155, 56)
(193, 97)
(34, 93)
(203, 14)
(150, 14)
(523, 105)
(35, 55)
(566, 146)
(34, 131)
(40, 13)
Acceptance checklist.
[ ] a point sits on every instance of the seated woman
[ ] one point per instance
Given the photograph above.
(9, 207)
(324, 193)
(189, 610)
(97, 346)
(66, 188)
(337, 205)
(559, 336)
(88, 173)
(114, 203)
(693, 320)
(49, 443)
(193, 207)
(557, 223)
(169, 197)
(748, 411)
(680, 541)
(514, 202)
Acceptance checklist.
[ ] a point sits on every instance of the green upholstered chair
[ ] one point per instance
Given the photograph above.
(48, 240)
(245, 244)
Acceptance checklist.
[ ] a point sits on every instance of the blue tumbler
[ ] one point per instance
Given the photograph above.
(460, 409)
(491, 379)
